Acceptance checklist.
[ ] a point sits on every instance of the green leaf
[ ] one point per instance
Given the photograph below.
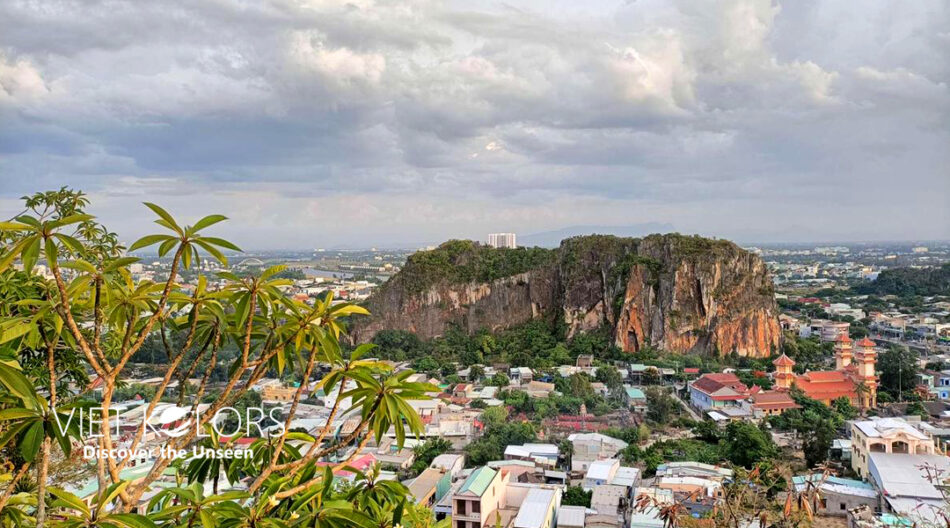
(165, 216)
(213, 250)
(31, 253)
(19, 385)
(68, 500)
(133, 520)
(166, 247)
(74, 245)
(220, 242)
(17, 413)
(148, 241)
(30, 442)
(52, 253)
(71, 219)
(13, 226)
(207, 221)
(15, 251)
(80, 265)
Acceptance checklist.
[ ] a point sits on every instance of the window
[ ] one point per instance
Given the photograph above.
(842, 506)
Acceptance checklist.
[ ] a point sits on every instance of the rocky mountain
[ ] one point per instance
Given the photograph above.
(674, 292)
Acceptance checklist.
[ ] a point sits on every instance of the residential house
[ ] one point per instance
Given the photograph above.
(885, 435)
(430, 486)
(478, 498)
(571, 516)
(838, 495)
(602, 472)
(636, 399)
(590, 447)
(539, 507)
(716, 391)
(540, 454)
(520, 375)
(611, 504)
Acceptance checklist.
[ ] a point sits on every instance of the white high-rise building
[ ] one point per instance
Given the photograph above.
(502, 240)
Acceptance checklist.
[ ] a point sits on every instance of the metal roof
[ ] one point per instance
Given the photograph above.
(903, 474)
(572, 516)
(535, 508)
(478, 481)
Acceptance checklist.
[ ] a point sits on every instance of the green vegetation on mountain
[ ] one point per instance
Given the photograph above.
(463, 261)
(905, 282)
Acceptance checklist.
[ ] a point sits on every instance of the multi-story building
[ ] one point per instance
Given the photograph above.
(886, 435)
(502, 240)
(478, 498)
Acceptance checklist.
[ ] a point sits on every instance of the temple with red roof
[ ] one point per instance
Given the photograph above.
(854, 376)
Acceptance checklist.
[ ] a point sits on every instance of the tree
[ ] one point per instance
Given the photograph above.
(426, 452)
(500, 379)
(576, 496)
(707, 431)
(745, 445)
(843, 407)
(475, 373)
(898, 370)
(494, 416)
(661, 406)
(816, 444)
(609, 376)
(93, 308)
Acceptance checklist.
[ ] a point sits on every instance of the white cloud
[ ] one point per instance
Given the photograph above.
(470, 114)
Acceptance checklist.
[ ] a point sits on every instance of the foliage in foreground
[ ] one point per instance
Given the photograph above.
(92, 317)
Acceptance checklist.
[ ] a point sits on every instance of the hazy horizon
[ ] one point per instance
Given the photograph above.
(363, 123)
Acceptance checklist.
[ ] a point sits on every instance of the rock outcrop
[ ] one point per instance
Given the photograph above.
(673, 292)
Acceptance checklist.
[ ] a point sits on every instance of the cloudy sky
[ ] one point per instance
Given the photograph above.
(320, 122)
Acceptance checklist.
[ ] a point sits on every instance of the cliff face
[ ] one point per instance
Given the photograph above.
(684, 294)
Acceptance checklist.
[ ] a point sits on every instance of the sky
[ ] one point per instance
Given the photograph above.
(319, 123)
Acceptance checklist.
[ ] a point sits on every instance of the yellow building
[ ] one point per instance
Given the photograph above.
(480, 496)
(886, 435)
(278, 392)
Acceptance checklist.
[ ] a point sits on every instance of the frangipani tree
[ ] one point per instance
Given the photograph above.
(92, 312)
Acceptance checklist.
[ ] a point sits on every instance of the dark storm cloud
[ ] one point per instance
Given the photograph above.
(317, 122)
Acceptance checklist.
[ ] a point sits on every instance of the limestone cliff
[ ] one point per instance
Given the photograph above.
(679, 293)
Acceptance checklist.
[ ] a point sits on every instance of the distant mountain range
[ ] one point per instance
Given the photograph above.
(554, 238)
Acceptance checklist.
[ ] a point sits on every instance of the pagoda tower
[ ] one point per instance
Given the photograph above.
(843, 352)
(865, 359)
(783, 371)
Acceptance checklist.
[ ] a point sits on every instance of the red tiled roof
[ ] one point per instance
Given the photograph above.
(866, 343)
(827, 390)
(711, 386)
(774, 400)
(843, 338)
(729, 380)
(783, 361)
(691, 370)
(824, 376)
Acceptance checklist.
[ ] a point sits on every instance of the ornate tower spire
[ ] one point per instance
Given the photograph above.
(843, 353)
(865, 358)
(783, 371)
